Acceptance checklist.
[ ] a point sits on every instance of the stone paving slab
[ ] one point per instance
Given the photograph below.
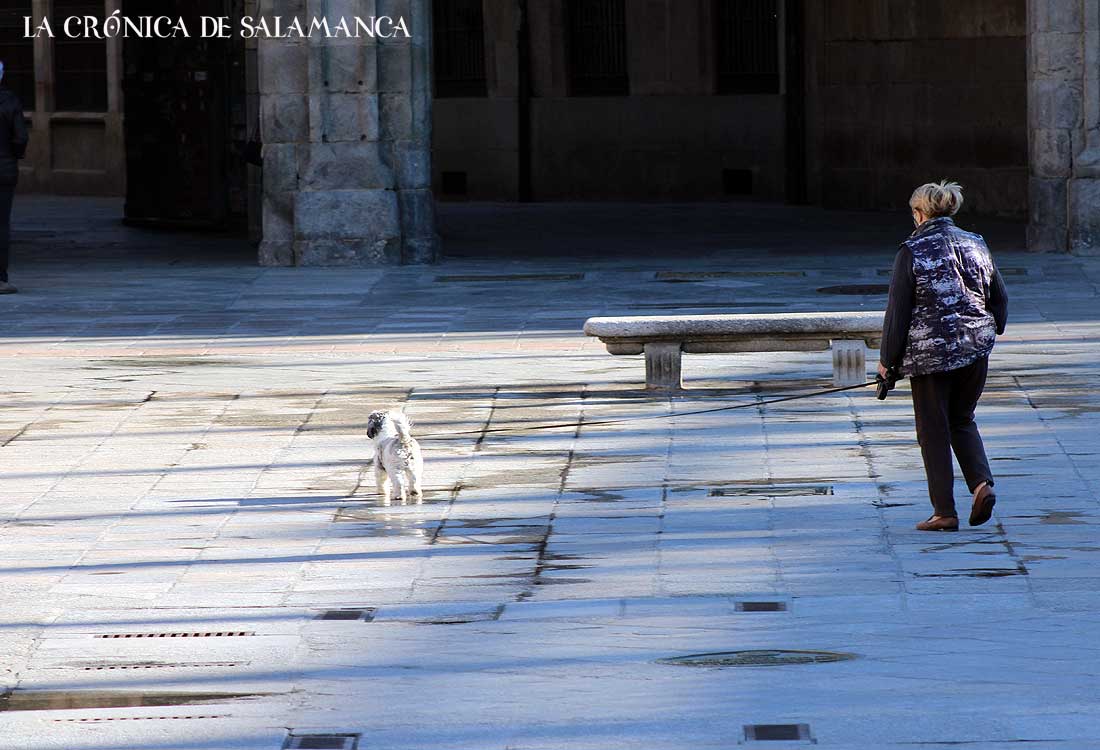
(182, 451)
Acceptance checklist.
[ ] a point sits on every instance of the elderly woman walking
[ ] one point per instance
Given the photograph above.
(947, 306)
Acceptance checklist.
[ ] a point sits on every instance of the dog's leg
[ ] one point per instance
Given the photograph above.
(382, 482)
(402, 486)
(414, 480)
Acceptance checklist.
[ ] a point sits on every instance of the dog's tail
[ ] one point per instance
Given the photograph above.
(403, 427)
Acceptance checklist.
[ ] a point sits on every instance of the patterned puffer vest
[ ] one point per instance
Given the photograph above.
(951, 327)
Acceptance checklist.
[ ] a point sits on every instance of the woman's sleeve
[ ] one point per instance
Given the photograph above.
(998, 301)
(899, 311)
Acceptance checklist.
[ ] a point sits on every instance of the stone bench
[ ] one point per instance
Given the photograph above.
(664, 339)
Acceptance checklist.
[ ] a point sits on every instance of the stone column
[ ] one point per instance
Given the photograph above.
(346, 126)
(1064, 124)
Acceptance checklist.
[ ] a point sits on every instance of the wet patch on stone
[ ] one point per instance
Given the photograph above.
(1068, 393)
(985, 539)
(595, 496)
(465, 619)
(758, 658)
(167, 362)
(754, 484)
(495, 531)
(1060, 518)
(604, 459)
(68, 700)
(976, 573)
(557, 581)
(370, 523)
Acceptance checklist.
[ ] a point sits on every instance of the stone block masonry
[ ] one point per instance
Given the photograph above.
(346, 126)
(1064, 124)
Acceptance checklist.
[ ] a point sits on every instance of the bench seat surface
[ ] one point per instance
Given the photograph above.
(672, 327)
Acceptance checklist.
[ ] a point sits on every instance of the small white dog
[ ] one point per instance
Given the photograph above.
(397, 458)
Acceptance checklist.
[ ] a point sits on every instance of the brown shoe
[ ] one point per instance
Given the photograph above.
(939, 523)
(984, 500)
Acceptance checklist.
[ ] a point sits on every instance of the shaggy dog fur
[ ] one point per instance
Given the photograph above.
(398, 464)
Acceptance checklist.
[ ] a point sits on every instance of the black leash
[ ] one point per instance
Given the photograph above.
(573, 425)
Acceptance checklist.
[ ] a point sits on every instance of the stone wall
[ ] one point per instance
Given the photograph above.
(346, 125)
(1064, 117)
(909, 92)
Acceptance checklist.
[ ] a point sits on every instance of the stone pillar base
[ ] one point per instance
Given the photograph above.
(849, 363)
(346, 126)
(1084, 216)
(663, 367)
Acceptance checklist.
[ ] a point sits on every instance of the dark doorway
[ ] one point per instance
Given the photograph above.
(185, 122)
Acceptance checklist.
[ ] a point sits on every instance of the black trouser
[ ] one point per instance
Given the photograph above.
(7, 193)
(944, 407)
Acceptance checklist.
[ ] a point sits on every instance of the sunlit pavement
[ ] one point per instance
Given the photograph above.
(187, 492)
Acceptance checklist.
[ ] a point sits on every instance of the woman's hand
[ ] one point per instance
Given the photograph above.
(882, 371)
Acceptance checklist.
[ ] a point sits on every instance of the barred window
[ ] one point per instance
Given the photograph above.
(16, 51)
(597, 47)
(747, 46)
(80, 65)
(459, 48)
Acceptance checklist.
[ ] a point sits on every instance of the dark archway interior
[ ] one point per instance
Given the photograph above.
(186, 122)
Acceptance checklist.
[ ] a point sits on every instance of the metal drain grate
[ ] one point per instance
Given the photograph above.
(778, 733)
(773, 491)
(365, 615)
(177, 665)
(704, 275)
(761, 606)
(515, 277)
(99, 719)
(773, 658)
(215, 634)
(322, 742)
(703, 305)
(857, 290)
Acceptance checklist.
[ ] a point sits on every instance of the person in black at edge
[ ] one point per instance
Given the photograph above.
(947, 305)
(13, 145)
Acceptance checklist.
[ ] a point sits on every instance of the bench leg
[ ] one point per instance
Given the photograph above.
(849, 363)
(662, 367)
